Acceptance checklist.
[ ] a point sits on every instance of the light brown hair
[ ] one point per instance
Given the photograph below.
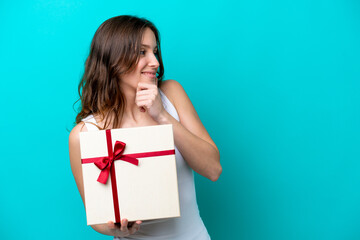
(114, 51)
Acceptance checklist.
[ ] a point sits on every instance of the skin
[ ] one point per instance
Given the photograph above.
(144, 108)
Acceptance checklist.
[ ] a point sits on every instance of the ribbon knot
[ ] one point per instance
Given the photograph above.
(105, 163)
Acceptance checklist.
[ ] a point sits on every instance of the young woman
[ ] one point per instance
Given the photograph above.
(122, 87)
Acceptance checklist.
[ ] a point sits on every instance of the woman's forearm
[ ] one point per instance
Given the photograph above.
(200, 155)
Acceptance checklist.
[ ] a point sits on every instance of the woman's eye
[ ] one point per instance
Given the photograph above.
(142, 52)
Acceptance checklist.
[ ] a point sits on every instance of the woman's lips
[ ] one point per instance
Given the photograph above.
(149, 74)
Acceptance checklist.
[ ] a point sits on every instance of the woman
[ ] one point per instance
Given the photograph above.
(122, 87)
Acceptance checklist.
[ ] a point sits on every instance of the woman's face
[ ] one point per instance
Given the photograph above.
(148, 64)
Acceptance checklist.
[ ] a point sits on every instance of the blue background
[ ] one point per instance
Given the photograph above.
(276, 83)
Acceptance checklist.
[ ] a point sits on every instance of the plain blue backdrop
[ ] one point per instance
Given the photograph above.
(276, 83)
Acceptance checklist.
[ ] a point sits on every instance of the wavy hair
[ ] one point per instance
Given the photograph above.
(114, 51)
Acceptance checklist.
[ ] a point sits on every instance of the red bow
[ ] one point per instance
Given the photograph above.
(105, 163)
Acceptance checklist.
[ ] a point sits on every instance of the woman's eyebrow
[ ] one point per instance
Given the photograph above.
(147, 46)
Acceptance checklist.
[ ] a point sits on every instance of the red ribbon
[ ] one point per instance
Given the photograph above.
(106, 165)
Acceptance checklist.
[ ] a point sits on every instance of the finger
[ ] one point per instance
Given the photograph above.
(145, 97)
(111, 225)
(143, 85)
(144, 103)
(124, 227)
(135, 227)
(146, 92)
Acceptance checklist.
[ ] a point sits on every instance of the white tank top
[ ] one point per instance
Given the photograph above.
(187, 227)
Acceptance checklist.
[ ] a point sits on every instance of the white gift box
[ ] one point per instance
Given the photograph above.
(145, 191)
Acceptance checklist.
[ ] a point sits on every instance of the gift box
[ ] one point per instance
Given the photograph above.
(129, 173)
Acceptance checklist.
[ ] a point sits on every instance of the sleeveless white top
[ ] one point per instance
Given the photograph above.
(187, 227)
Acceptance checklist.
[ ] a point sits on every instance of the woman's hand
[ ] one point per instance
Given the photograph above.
(148, 99)
(125, 229)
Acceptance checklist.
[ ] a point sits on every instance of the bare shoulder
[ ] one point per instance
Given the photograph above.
(74, 135)
(178, 97)
(173, 91)
(170, 85)
(74, 142)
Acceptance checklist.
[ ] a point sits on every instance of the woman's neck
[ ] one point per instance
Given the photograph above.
(131, 111)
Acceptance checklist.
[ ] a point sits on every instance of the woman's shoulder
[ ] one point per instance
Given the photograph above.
(170, 86)
(173, 90)
(74, 134)
(169, 83)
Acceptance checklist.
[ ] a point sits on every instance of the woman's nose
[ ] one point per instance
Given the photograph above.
(153, 62)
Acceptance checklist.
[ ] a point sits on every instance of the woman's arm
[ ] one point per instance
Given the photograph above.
(191, 137)
(75, 160)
